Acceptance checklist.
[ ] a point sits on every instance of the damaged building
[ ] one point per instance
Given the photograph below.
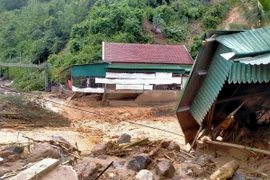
(227, 93)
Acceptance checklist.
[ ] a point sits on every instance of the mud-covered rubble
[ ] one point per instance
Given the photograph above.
(139, 159)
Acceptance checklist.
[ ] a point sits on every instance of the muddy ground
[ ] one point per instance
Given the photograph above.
(85, 122)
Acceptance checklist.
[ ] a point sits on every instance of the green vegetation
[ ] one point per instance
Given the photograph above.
(65, 32)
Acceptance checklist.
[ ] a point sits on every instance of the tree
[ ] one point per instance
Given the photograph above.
(257, 12)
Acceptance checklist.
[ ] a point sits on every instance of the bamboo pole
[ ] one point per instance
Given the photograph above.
(238, 146)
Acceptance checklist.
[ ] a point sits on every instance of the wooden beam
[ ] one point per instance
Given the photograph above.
(38, 170)
(241, 97)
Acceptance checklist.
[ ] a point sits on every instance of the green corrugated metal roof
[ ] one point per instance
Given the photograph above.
(246, 73)
(213, 82)
(247, 43)
(256, 60)
(150, 67)
(99, 69)
(95, 69)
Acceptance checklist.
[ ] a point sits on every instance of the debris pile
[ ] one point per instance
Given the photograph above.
(124, 158)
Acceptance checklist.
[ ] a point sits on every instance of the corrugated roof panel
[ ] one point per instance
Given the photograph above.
(256, 60)
(214, 80)
(248, 42)
(247, 73)
(95, 69)
(150, 67)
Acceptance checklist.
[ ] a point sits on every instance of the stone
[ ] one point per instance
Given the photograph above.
(139, 162)
(1, 161)
(124, 138)
(165, 169)
(13, 157)
(203, 159)
(238, 176)
(99, 149)
(173, 146)
(86, 169)
(89, 170)
(11, 150)
(42, 151)
(144, 175)
(117, 164)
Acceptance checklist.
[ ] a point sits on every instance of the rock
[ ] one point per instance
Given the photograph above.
(165, 169)
(203, 159)
(11, 150)
(1, 160)
(89, 170)
(42, 151)
(99, 149)
(238, 176)
(118, 164)
(173, 146)
(139, 162)
(188, 170)
(13, 157)
(86, 169)
(124, 138)
(145, 175)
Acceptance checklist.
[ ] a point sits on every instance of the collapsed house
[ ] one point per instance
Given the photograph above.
(227, 93)
(132, 69)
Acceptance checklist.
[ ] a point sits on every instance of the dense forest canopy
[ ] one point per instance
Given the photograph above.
(65, 32)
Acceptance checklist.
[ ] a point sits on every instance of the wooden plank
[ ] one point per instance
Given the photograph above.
(38, 170)
(130, 75)
(174, 80)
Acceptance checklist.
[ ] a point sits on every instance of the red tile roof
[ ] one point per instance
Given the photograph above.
(146, 53)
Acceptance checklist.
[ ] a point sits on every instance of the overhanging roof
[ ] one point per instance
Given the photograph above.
(247, 43)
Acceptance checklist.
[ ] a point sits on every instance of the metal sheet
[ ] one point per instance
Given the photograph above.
(248, 42)
(213, 82)
(255, 60)
(246, 73)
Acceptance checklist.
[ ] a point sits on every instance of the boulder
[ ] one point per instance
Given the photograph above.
(145, 175)
(13, 157)
(139, 162)
(42, 151)
(165, 169)
(99, 149)
(173, 146)
(124, 138)
(11, 150)
(89, 170)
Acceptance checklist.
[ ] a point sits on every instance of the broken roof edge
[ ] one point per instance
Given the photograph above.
(199, 69)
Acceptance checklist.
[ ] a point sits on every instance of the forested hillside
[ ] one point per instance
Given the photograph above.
(65, 32)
